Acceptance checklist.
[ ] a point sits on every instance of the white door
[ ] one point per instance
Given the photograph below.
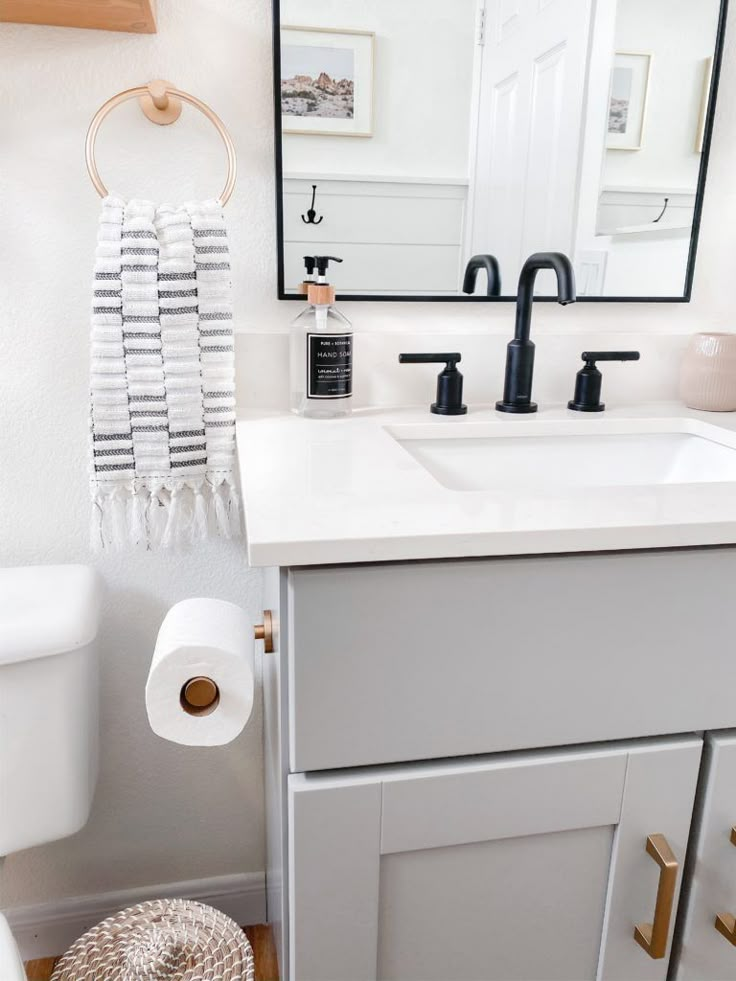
(522, 866)
(707, 950)
(529, 132)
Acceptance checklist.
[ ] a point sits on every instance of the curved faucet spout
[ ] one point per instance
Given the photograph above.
(517, 389)
(490, 264)
(562, 267)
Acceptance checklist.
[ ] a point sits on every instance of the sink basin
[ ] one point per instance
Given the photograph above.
(401, 484)
(568, 461)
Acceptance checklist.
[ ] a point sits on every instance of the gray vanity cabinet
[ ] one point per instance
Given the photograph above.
(707, 942)
(423, 660)
(474, 772)
(528, 866)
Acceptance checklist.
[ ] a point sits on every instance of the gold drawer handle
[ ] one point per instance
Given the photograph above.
(725, 923)
(653, 936)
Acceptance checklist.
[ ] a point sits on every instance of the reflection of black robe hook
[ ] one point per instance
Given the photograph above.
(312, 214)
(661, 213)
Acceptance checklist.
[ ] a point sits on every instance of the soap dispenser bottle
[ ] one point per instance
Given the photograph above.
(321, 356)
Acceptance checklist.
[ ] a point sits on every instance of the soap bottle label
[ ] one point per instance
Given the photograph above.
(329, 366)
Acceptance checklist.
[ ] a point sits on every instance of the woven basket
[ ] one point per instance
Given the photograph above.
(164, 940)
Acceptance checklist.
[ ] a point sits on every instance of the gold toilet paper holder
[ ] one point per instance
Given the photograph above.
(200, 695)
(264, 631)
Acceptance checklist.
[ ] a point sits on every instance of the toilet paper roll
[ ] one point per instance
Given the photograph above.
(202, 638)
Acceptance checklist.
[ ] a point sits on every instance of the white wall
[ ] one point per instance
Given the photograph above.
(162, 813)
(423, 74)
(679, 34)
(165, 813)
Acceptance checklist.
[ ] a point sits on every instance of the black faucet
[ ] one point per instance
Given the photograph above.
(517, 389)
(490, 264)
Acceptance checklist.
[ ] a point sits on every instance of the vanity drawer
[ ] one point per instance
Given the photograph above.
(421, 660)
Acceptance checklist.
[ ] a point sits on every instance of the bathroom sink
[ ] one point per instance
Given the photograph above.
(401, 483)
(568, 460)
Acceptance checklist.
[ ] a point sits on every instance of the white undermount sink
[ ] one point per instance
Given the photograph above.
(401, 484)
(564, 458)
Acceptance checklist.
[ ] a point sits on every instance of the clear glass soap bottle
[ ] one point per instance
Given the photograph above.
(321, 353)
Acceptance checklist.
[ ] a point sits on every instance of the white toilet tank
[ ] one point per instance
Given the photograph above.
(49, 696)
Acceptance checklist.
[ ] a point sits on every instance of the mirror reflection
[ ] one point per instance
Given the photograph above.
(419, 134)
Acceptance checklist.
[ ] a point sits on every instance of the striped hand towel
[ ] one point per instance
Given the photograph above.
(162, 377)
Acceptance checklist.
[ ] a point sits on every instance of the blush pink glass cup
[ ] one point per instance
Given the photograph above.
(708, 374)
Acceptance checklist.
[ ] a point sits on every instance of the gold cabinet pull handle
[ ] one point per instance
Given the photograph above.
(725, 923)
(653, 936)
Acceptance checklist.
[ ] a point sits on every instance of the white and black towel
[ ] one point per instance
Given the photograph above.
(162, 376)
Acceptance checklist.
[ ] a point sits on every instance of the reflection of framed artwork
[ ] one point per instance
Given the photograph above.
(704, 99)
(326, 81)
(627, 102)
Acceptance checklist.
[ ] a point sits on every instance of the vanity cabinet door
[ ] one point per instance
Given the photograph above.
(705, 954)
(523, 866)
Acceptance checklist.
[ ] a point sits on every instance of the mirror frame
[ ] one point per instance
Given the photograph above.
(429, 298)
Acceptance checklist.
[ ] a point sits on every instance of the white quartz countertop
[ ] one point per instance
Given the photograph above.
(321, 492)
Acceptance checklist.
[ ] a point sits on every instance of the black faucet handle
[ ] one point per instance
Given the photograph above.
(588, 381)
(449, 359)
(449, 381)
(590, 357)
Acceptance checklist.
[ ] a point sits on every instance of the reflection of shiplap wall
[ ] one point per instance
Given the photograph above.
(394, 235)
(622, 207)
(644, 258)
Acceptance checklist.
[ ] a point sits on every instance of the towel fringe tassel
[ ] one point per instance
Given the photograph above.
(160, 513)
(95, 521)
(137, 519)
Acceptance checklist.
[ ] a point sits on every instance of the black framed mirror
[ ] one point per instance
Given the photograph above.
(412, 135)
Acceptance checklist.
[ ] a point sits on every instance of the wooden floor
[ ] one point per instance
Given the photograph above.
(261, 940)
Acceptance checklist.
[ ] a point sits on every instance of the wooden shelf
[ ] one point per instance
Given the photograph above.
(133, 16)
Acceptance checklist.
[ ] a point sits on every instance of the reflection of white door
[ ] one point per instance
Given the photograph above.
(530, 129)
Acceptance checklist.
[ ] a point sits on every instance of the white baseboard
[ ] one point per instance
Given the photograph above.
(47, 929)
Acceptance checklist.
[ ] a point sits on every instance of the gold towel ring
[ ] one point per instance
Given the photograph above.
(161, 102)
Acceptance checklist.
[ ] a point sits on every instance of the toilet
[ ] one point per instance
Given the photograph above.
(49, 696)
